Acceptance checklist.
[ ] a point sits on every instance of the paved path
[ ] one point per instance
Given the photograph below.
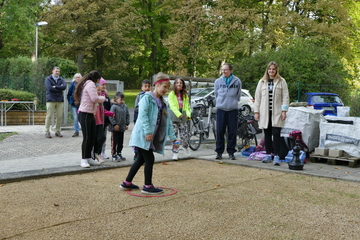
(30, 155)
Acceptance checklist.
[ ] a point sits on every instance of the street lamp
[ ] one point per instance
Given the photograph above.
(42, 23)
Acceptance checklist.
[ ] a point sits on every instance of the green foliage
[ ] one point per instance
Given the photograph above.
(8, 94)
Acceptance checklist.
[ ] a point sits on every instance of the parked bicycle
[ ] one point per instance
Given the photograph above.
(248, 127)
(198, 129)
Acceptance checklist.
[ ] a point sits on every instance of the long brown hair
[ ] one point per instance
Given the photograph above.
(277, 75)
(183, 91)
(93, 76)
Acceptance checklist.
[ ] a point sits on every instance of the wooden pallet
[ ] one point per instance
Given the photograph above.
(353, 161)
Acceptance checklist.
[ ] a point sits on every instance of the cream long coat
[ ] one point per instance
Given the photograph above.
(280, 102)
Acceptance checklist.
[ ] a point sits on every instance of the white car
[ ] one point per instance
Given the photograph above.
(246, 100)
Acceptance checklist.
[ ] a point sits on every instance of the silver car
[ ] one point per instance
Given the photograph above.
(246, 100)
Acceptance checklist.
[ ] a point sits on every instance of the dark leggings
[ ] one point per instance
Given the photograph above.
(88, 128)
(100, 138)
(226, 120)
(117, 142)
(147, 157)
(272, 134)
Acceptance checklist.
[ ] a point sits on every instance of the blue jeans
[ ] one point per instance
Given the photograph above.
(74, 111)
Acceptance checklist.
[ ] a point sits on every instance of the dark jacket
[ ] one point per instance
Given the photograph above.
(107, 106)
(54, 94)
(122, 117)
(70, 94)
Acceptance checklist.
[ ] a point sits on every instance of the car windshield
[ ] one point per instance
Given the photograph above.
(204, 92)
(326, 99)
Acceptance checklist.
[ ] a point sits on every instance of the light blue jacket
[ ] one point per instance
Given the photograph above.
(146, 123)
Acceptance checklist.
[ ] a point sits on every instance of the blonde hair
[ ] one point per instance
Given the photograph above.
(76, 75)
(161, 76)
(277, 75)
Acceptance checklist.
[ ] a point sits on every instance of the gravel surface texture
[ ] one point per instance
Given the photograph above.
(214, 201)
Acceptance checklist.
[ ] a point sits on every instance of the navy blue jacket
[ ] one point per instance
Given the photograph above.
(54, 94)
(70, 94)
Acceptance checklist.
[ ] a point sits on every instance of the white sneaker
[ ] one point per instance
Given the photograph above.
(93, 162)
(187, 152)
(175, 157)
(103, 154)
(84, 163)
(99, 158)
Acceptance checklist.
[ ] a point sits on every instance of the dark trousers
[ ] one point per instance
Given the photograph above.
(147, 157)
(226, 120)
(88, 128)
(100, 138)
(272, 134)
(117, 142)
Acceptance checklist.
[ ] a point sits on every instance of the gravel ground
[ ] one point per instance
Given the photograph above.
(214, 201)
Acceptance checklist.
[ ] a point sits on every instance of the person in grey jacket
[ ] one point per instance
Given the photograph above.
(118, 124)
(55, 85)
(227, 91)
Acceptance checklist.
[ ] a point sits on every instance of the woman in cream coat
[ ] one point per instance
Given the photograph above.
(271, 105)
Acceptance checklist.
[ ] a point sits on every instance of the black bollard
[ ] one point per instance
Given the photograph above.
(296, 163)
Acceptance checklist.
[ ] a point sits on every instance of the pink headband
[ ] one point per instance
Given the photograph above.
(162, 80)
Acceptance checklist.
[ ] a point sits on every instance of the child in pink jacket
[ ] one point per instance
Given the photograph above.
(100, 114)
(86, 94)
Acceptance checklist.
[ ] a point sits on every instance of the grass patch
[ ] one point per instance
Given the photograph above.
(130, 96)
(6, 135)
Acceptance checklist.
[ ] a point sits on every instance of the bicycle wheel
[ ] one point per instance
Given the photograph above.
(195, 135)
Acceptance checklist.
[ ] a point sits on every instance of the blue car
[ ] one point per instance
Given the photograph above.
(320, 100)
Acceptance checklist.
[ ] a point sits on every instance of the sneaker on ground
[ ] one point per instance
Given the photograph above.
(123, 185)
(93, 162)
(103, 154)
(151, 190)
(99, 158)
(267, 159)
(175, 157)
(276, 161)
(84, 163)
(116, 158)
(121, 157)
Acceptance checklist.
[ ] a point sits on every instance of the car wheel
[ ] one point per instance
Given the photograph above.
(247, 110)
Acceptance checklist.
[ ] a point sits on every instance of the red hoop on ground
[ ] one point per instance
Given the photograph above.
(163, 195)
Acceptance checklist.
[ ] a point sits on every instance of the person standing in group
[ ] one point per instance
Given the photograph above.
(107, 106)
(71, 100)
(227, 91)
(180, 113)
(152, 128)
(271, 105)
(118, 125)
(55, 85)
(86, 94)
(145, 87)
(100, 115)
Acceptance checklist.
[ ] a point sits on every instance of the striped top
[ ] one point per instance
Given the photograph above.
(271, 86)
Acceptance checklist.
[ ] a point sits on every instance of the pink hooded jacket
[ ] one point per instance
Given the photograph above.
(89, 98)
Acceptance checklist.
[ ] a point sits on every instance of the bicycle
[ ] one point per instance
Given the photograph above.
(248, 127)
(198, 130)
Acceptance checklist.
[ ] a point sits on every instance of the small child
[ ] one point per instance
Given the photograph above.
(100, 114)
(145, 87)
(150, 133)
(118, 125)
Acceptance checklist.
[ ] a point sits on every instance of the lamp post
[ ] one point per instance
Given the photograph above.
(42, 23)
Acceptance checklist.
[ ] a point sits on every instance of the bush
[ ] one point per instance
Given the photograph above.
(7, 94)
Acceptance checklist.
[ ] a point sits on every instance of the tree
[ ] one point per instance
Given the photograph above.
(17, 27)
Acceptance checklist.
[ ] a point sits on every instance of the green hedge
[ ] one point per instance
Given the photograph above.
(8, 94)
